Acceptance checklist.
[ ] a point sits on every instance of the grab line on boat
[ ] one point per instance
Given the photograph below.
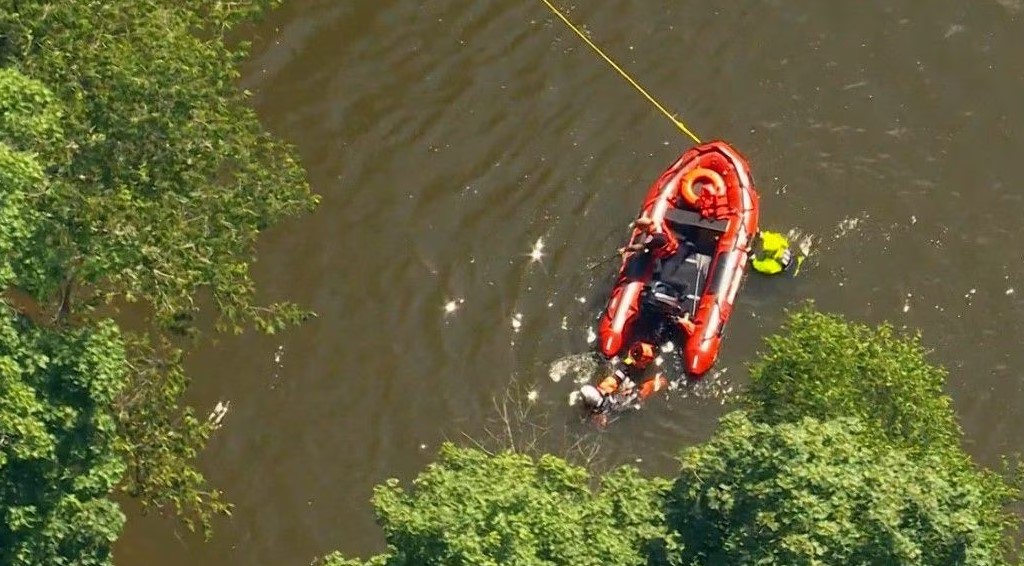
(622, 72)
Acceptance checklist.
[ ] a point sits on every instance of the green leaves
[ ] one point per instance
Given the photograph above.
(30, 116)
(824, 367)
(161, 440)
(817, 492)
(170, 178)
(58, 459)
(471, 508)
(29, 131)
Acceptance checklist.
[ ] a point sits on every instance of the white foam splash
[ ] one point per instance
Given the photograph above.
(802, 241)
(517, 321)
(847, 225)
(532, 396)
(580, 366)
(591, 336)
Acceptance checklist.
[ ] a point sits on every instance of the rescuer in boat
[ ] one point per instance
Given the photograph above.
(620, 389)
(658, 240)
(663, 245)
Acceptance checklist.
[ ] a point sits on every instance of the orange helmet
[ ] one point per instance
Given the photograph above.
(641, 354)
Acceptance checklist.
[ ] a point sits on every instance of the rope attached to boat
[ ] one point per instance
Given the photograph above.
(679, 124)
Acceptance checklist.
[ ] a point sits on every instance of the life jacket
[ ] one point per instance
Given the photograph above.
(641, 354)
(652, 386)
(713, 206)
(768, 251)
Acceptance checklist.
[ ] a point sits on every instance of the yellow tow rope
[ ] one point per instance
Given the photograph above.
(624, 74)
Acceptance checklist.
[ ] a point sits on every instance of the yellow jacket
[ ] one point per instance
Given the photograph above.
(771, 253)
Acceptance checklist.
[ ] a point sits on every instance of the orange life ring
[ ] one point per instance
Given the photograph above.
(700, 173)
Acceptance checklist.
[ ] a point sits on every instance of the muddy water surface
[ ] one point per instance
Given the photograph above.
(451, 139)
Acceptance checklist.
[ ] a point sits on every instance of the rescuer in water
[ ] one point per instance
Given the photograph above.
(619, 387)
(772, 255)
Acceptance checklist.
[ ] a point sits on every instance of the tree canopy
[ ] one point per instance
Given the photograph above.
(29, 125)
(472, 508)
(823, 366)
(815, 492)
(58, 442)
(132, 168)
(169, 176)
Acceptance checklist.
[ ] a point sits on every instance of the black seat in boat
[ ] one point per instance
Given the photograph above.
(684, 274)
(691, 226)
(681, 218)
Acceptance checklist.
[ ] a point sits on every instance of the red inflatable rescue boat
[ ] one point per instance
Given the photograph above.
(708, 202)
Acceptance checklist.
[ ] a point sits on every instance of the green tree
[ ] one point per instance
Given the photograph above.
(823, 366)
(59, 456)
(816, 492)
(139, 174)
(58, 442)
(29, 124)
(170, 176)
(471, 508)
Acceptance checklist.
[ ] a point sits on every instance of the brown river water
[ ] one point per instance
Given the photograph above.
(450, 139)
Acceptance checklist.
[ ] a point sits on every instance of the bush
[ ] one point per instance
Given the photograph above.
(58, 434)
(474, 509)
(816, 492)
(824, 367)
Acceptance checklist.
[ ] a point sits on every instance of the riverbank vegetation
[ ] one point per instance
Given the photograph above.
(843, 451)
(132, 169)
